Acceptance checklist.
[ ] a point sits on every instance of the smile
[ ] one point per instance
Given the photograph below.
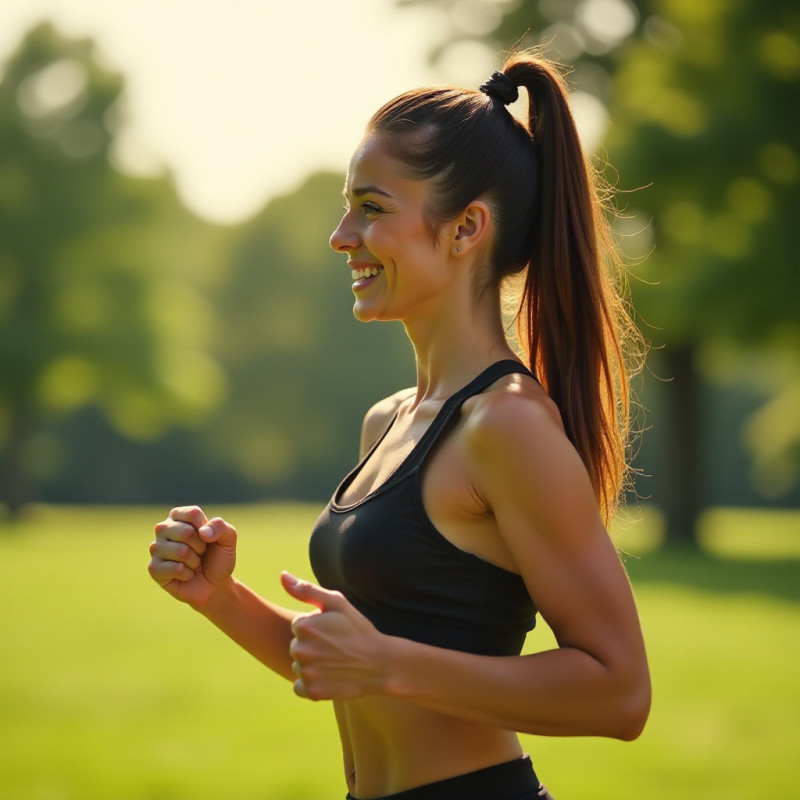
(366, 272)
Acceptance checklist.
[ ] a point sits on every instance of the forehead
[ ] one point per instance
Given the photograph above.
(373, 165)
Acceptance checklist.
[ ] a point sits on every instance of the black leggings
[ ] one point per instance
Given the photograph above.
(513, 780)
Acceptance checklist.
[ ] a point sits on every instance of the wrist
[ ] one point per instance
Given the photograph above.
(392, 683)
(218, 597)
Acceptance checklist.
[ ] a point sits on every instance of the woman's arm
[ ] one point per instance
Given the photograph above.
(193, 558)
(595, 683)
(536, 486)
(260, 627)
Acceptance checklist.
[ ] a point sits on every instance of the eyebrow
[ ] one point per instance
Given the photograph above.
(360, 191)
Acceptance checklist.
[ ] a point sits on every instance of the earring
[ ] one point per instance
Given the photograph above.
(458, 249)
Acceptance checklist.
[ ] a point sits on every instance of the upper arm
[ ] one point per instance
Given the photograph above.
(539, 492)
(377, 419)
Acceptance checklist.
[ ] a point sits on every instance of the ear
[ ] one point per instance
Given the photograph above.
(471, 228)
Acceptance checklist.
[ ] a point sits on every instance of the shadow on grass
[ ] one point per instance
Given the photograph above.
(779, 578)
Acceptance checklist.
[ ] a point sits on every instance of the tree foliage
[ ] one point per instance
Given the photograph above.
(114, 300)
(704, 136)
(705, 119)
(146, 355)
(88, 306)
(302, 370)
(703, 102)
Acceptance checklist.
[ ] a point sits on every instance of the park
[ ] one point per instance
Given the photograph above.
(139, 348)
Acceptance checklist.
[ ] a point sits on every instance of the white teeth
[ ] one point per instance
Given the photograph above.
(369, 272)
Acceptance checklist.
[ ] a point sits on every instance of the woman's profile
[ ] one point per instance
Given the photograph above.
(482, 494)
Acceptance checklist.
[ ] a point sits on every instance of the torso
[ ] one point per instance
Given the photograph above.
(392, 745)
(448, 490)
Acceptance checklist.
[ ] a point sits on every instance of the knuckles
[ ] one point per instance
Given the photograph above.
(192, 514)
(308, 678)
(218, 523)
(300, 625)
(184, 511)
(181, 571)
(301, 653)
(184, 533)
(304, 626)
(313, 693)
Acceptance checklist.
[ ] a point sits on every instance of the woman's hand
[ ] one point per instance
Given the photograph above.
(192, 556)
(337, 652)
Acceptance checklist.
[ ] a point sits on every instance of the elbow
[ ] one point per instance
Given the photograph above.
(632, 725)
(633, 709)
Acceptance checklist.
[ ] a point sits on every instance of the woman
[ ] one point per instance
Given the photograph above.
(482, 492)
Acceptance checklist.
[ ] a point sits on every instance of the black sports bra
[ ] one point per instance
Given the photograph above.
(385, 555)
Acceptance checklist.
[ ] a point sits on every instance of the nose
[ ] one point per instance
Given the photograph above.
(345, 237)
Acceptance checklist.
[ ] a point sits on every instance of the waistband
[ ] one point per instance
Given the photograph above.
(511, 780)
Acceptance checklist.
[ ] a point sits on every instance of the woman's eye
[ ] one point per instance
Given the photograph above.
(371, 208)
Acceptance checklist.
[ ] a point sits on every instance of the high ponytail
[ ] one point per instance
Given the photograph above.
(550, 227)
(572, 320)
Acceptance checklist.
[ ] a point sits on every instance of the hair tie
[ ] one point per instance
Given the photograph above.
(500, 87)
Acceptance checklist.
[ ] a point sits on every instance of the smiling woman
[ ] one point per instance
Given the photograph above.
(480, 498)
(385, 236)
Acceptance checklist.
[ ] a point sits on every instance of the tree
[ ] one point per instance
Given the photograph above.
(302, 370)
(704, 110)
(87, 302)
(703, 101)
(583, 34)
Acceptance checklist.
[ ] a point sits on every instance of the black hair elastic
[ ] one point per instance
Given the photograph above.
(500, 87)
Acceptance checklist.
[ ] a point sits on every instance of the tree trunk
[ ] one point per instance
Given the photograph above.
(684, 447)
(15, 485)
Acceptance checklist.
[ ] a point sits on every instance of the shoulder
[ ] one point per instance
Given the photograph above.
(519, 454)
(515, 409)
(378, 417)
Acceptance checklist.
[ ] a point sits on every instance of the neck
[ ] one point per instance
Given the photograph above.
(456, 343)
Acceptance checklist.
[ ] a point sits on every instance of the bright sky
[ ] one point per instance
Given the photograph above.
(243, 98)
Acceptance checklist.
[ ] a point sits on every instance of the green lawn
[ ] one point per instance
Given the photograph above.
(112, 690)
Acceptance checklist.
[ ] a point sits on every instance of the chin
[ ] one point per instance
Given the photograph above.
(361, 314)
(365, 313)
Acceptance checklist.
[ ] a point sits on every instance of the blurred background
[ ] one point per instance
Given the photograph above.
(175, 329)
(174, 326)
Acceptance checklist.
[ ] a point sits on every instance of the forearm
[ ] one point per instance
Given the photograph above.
(260, 627)
(563, 692)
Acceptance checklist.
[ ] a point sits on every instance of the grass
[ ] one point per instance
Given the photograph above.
(109, 689)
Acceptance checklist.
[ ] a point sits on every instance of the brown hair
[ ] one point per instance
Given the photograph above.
(551, 226)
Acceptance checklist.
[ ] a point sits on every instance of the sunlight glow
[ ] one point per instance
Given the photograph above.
(55, 90)
(245, 101)
(608, 21)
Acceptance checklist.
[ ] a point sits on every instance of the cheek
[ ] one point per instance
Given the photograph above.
(409, 243)
(382, 240)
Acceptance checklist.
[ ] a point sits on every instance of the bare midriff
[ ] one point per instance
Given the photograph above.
(391, 745)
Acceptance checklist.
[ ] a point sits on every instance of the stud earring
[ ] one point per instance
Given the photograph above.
(458, 249)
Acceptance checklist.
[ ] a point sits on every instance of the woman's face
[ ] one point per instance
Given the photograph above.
(398, 269)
